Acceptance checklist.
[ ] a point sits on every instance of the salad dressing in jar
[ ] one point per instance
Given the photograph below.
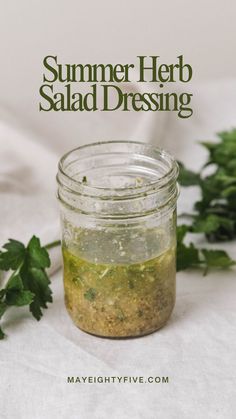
(118, 216)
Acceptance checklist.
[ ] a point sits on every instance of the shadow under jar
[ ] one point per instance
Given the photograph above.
(118, 217)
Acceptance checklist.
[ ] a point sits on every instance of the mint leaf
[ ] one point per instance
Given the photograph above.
(12, 256)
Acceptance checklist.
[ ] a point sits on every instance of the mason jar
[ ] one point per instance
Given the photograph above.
(118, 218)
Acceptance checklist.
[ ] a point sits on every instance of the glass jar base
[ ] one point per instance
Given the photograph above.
(128, 336)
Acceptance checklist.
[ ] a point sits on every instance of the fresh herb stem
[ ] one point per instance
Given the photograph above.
(53, 244)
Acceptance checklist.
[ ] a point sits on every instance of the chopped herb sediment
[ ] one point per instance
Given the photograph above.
(120, 300)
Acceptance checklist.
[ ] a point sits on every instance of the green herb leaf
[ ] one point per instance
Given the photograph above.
(2, 335)
(14, 283)
(15, 295)
(12, 256)
(2, 293)
(29, 283)
(187, 257)
(217, 258)
(187, 177)
(19, 298)
(181, 232)
(37, 282)
(212, 223)
(90, 294)
(3, 307)
(38, 255)
(215, 213)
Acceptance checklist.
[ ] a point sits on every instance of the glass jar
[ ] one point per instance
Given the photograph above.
(118, 216)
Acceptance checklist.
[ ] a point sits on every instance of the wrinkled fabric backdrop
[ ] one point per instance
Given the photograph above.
(196, 349)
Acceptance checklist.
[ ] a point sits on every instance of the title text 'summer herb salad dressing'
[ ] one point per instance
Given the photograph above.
(118, 212)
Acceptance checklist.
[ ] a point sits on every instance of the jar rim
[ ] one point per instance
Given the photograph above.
(155, 185)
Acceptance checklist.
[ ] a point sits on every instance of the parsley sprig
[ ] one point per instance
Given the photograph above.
(215, 214)
(189, 256)
(28, 283)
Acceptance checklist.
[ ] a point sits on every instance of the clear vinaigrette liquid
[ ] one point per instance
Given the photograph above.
(120, 300)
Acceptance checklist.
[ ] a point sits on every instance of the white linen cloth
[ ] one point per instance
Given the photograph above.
(27, 188)
(196, 349)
